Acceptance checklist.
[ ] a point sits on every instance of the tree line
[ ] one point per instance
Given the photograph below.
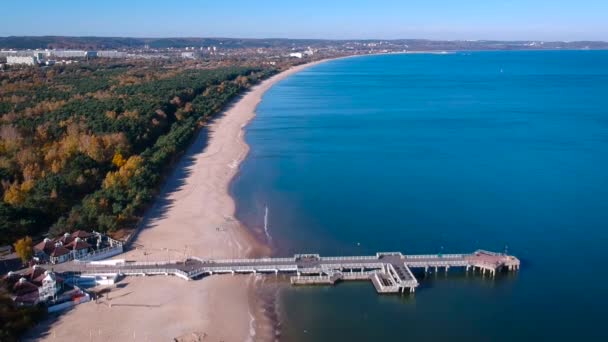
(86, 146)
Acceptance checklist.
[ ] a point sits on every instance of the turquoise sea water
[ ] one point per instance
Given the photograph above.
(440, 153)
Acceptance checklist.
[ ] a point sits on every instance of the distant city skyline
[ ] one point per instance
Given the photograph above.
(566, 20)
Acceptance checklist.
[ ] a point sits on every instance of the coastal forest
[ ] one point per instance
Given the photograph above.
(85, 146)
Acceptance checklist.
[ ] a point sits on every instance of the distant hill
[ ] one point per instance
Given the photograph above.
(59, 42)
(98, 43)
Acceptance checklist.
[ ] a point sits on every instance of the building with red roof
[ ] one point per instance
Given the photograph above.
(82, 234)
(65, 248)
(59, 254)
(79, 248)
(34, 285)
(34, 273)
(65, 239)
(45, 247)
(25, 292)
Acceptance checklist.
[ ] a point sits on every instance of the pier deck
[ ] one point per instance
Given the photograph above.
(389, 272)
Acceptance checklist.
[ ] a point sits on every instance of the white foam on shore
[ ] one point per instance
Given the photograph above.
(234, 164)
(252, 332)
(266, 224)
(251, 328)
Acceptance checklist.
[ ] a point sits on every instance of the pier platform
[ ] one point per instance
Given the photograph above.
(389, 272)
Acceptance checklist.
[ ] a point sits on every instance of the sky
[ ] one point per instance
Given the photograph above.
(564, 20)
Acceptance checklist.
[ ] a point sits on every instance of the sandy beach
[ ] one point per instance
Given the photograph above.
(192, 216)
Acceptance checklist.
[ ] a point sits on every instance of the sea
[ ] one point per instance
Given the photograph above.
(439, 153)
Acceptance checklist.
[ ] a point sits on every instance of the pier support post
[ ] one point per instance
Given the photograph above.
(426, 269)
(436, 269)
(446, 269)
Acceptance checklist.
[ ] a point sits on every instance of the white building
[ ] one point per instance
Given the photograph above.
(73, 53)
(21, 53)
(188, 55)
(69, 53)
(111, 54)
(26, 60)
(296, 54)
(49, 288)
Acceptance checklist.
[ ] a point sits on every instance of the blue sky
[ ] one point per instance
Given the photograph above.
(333, 19)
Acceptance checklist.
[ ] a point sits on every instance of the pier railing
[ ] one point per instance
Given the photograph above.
(437, 256)
(339, 258)
(245, 261)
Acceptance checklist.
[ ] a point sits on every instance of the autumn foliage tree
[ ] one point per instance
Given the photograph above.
(24, 249)
(86, 146)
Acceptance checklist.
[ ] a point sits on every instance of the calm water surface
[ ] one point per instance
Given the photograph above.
(432, 153)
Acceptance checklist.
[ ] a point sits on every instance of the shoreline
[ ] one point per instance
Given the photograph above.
(192, 216)
(262, 325)
(264, 86)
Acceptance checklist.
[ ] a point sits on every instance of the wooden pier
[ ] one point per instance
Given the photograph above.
(388, 272)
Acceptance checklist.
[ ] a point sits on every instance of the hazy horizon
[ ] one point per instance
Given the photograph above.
(304, 38)
(539, 20)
